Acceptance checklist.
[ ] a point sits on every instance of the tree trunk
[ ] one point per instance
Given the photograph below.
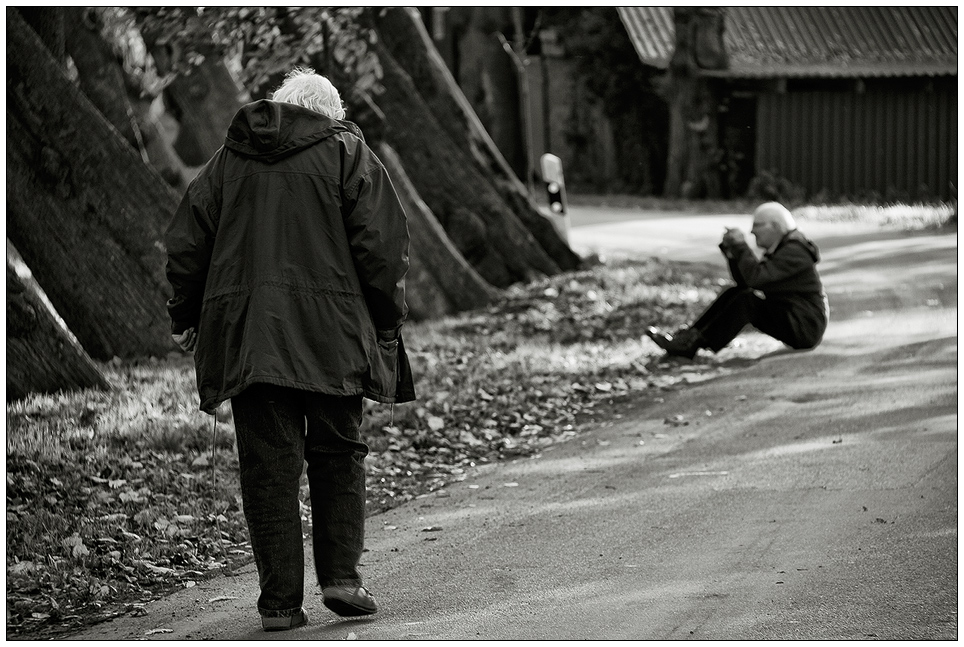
(99, 73)
(204, 101)
(408, 42)
(440, 281)
(487, 76)
(693, 168)
(83, 209)
(49, 24)
(121, 100)
(42, 355)
(456, 189)
(480, 225)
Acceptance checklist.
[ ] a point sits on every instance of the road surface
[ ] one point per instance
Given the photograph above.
(803, 496)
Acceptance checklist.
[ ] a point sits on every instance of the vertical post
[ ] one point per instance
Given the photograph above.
(556, 188)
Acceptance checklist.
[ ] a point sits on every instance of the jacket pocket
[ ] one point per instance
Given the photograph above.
(383, 373)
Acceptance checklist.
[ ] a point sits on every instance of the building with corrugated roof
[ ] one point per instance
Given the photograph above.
(842, 101)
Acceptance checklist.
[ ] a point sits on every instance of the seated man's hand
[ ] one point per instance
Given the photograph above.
(733, 236)
(187, 340)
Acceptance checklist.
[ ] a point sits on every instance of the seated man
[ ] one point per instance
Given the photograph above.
(780, 295)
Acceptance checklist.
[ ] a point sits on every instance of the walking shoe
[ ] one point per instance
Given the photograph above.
(684, 343)
(347, 600)
(269, 623)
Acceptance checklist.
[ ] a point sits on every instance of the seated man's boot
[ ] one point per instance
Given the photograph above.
(684, 343)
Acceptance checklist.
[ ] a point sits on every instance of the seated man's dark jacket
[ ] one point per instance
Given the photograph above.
(788, 278)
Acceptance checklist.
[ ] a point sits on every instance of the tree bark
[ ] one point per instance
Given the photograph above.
(694, 155)
(99, 73)
(83, 209)
(49, 24)
(487, 234)
(487, 77)
(42, 355)
(440, 281)
(121, 100)
(204, 101)
(408, 42)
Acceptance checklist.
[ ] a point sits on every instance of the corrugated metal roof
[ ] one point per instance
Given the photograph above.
(814, 41)
(652, 32)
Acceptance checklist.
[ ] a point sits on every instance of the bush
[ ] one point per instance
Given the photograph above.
(769, 186)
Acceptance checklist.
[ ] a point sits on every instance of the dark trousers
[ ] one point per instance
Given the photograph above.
(738, 307)
(278, 430)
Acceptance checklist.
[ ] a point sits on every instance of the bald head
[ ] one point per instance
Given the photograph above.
(776, 215)
(771, 222)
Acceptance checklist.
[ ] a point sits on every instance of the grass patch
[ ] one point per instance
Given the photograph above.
(114, 499)
(908, 217)
(111, 498)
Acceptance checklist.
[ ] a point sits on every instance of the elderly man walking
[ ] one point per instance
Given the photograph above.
(780, 295)
(288, 257)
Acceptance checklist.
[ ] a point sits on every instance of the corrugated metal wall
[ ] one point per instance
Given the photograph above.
(848, 143)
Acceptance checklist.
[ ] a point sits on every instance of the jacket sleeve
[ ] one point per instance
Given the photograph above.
(378, 236)
(189, 240)
(787, 261)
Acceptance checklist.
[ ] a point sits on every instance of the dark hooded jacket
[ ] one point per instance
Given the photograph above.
(288, 255)
(787, 275)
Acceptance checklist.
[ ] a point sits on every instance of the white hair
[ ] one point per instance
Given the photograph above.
(776, 214)
(304, 88)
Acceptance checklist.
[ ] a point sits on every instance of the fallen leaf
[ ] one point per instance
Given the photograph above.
(222, 598)
(158, 631)
(20, 568)
(76, 546)
(154, 568)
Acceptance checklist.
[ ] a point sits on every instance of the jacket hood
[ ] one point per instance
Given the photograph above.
(796, 236)
(270, 131)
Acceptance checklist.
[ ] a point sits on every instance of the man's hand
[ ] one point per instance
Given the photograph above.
(733, 236)
(187, 340)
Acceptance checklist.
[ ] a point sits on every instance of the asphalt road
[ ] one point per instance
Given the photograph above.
(800, 496)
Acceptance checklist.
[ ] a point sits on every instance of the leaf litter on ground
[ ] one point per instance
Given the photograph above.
(115, 499)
